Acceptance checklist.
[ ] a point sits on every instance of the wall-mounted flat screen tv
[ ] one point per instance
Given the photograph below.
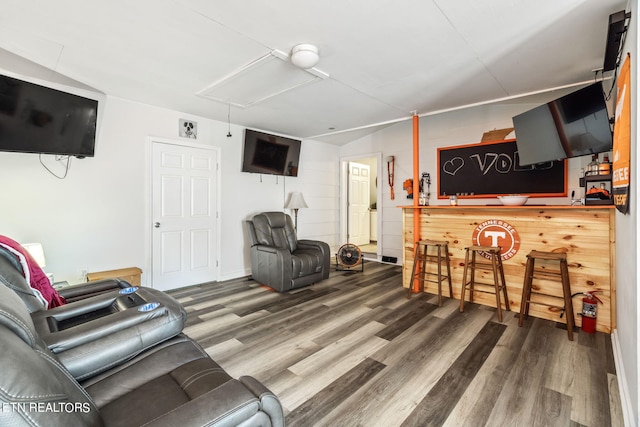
(270, 154)
(574, 125)
(39, 119)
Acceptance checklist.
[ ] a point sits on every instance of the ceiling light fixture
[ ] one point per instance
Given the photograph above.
(304, 56)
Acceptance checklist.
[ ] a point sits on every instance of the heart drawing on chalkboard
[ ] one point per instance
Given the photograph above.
(452, 166)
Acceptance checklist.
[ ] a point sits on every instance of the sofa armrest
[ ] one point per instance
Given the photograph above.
(230, 404)
(176, 383)
(271, 266)
(269, 403)
(85, 290)
(324, 248)
(91, 335)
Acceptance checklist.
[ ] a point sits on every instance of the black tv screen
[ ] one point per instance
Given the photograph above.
(270, 154)
(574, 125)
(39, 119)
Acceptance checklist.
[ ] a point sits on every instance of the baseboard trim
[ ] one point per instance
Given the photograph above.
(623, 388)
(235, 274)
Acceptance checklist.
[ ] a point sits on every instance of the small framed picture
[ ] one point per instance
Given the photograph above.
(188, 128)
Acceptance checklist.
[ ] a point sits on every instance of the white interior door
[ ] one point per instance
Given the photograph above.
(184, 186)
(359, 201)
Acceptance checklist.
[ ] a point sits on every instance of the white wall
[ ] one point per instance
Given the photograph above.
(97, 218)
(627, 335)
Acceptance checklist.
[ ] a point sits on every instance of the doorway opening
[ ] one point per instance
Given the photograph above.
(360, 191)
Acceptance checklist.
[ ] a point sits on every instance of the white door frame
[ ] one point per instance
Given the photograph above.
(149, 223)
(344, 184)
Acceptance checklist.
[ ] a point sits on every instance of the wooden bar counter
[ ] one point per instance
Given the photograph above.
(585, 233)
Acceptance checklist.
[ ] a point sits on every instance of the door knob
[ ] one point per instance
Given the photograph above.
(156, 225)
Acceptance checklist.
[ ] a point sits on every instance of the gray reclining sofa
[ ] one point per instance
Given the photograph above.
(115, 358)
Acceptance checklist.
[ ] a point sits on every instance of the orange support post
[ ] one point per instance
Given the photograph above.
(416, 189)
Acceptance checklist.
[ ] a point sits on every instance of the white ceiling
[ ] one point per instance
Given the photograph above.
(384, 58)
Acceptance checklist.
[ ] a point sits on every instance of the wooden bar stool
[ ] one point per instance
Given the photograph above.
(560, 275)
(494, 265)
(422, 256)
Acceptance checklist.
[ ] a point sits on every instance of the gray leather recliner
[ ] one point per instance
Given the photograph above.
(281, 261)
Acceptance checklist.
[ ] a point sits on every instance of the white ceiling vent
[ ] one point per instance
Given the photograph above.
(260, 80)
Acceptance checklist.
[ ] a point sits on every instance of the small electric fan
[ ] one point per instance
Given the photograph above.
(348, 257)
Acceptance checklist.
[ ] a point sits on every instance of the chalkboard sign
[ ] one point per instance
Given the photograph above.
(492, 168)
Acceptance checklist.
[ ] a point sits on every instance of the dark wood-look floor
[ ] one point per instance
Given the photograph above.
(354, 351)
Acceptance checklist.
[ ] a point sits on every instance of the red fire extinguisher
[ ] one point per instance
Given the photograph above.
(589, 311)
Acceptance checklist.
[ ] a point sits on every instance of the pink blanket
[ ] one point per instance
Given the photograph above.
(37, 279)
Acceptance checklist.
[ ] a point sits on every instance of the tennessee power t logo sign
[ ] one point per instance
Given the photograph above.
(495, 232)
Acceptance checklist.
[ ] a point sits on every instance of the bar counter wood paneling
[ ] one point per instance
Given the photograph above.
(585, 233)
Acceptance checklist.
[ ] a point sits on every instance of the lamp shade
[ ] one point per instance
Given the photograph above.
(295, 201)
(304, 56)
(37, 253)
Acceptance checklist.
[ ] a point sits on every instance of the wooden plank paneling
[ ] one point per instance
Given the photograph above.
(585, 234)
